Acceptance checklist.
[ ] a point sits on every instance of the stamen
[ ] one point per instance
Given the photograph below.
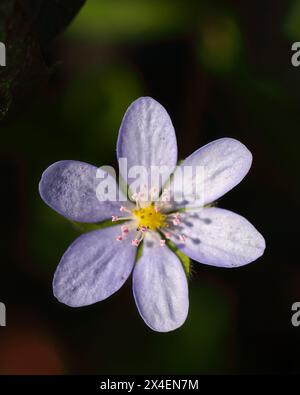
(153, 194)
(171, 232)
(176, 220)
(182, 238)
(124, 209)
(135, 242)
(124, 229)
(140, 196)
(119, 238)
(165, 197)
(162, 242)
(115, 218)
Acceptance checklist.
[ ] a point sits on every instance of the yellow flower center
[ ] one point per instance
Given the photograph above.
(149, 217)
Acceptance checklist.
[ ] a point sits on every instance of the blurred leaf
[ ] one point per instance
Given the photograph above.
(94, 105)
(122, 20)
(202, 345)
(25, 28)
(220, 43)
(206, 334)
(49, 232)
(292, 21)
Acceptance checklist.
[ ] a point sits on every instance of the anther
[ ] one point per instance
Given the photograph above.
(176, 219)
(114, 218)
(182, 238)
(162, 242)
(165, 197)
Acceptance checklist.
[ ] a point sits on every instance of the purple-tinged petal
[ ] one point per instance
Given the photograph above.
(219, 237)
(94, 267)
(147, 137)
(224, 164)
(69, 187)
(160, 287)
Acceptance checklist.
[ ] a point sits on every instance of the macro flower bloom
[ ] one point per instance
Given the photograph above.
(98, 262)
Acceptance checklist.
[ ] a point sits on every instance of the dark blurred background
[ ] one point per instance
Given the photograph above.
(221, 69)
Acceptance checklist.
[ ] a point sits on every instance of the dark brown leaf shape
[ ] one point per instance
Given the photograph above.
(27, 27)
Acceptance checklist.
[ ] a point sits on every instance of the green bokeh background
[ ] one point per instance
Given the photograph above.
(221, 69)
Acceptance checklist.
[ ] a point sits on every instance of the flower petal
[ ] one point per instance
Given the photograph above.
(219, 237)
(94, 267)
(224, 162)
(147, 138)
(69, 187)
(160, 288)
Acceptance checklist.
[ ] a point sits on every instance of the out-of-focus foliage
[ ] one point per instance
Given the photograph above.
(122, 20)
(219, 42)
(208, 332)
(94, 105)
(292, 21)
(47, 229)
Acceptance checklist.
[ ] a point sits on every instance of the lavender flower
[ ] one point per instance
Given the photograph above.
(98, 263)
